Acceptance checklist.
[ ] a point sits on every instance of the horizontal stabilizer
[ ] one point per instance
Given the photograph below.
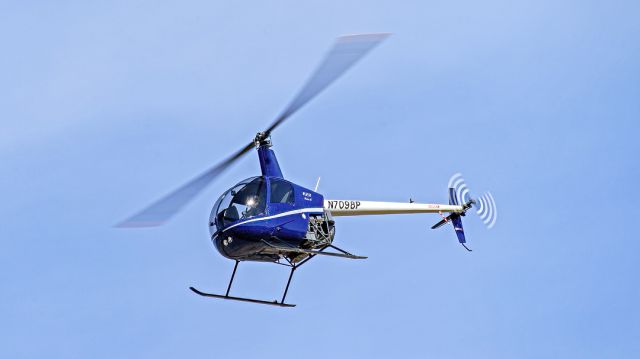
(441, 223)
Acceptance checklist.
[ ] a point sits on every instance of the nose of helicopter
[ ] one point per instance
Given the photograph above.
(221, 242)
(235, 247)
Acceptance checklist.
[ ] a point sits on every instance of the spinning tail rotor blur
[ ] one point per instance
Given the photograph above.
(487, 209)
(459, 195)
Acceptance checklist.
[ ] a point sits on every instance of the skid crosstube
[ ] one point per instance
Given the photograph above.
(275, 302)
(343, 254)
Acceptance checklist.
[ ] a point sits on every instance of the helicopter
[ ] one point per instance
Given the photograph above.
(269, 219)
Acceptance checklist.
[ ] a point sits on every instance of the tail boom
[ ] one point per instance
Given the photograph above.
(339, 208)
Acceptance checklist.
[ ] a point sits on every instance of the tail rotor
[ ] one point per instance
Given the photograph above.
(487, 209)
(459, 194)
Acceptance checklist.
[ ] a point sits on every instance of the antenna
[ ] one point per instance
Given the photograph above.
(317, 184)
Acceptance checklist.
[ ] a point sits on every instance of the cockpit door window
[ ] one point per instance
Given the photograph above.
(245, 200)
(281, 192)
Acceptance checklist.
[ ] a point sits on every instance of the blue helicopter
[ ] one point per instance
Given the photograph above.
(270, 219)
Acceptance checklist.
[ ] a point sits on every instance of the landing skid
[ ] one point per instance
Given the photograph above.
(275, 302)
(258, 301)
(294, 266)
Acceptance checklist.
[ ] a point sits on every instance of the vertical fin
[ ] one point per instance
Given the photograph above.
(456, 220)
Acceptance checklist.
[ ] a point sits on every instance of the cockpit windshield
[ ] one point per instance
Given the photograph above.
(245, 200)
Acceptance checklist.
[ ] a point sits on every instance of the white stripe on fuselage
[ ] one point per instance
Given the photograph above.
(297, 211)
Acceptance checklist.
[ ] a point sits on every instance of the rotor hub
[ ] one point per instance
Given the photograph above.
(262, 139)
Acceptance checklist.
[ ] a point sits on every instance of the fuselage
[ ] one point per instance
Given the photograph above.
(248, 218)
(266, 218)
(260, 214)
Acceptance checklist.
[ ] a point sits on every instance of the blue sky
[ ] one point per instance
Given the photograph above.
(108, 105)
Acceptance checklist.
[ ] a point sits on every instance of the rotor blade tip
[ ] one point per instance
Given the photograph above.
(138, 224)
(376, 36)
(367, 34)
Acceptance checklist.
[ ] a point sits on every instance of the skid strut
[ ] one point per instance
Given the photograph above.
(235, 267)
(286, 289)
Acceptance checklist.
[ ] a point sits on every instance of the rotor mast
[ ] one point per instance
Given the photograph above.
(268, 161)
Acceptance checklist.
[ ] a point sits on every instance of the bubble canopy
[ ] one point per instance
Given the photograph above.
(245, 200)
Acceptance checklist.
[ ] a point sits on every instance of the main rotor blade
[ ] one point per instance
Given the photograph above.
(162, 210)
(346, 51)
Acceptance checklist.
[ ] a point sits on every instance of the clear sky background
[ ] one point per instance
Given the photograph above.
(107, 105)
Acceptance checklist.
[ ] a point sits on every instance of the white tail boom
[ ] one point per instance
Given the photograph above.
(362, 208)
(459, 203)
